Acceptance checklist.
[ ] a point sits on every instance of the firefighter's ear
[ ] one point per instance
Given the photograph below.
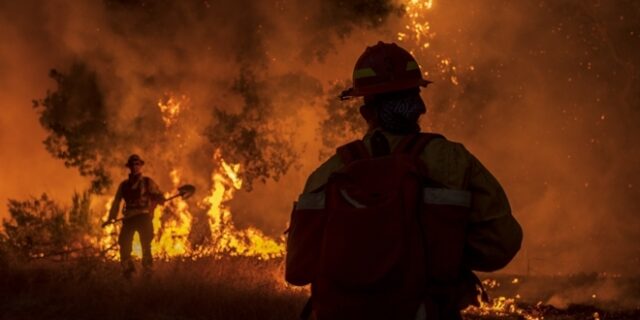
(369, 114)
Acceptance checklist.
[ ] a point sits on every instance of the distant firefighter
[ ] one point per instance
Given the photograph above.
(392, 225)
(141, 195)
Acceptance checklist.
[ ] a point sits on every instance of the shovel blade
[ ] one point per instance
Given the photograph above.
(186, 191)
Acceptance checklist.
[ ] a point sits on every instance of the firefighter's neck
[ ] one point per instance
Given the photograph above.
(373, 124)
(134, 174)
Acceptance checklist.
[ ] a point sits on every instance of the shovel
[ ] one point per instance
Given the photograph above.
(184, 191)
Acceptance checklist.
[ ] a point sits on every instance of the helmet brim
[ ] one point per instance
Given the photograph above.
(383, 88)
(130, 163)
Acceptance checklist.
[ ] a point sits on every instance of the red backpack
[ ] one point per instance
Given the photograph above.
(363, 243)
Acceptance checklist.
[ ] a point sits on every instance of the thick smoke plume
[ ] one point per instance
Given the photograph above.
(161, 46)
(544, 93)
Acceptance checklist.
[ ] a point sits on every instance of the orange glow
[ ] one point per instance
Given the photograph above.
(109, 239)
(498, 307)
(417, 28)
(171, 237)
(172, 234)
(546, 100)
(226, 238)
(170, 107)
(419, 33)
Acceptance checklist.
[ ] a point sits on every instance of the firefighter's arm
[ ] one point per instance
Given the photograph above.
(305, 226)
(494, 236)
(115, 205)
(154, 192)
(320, 176)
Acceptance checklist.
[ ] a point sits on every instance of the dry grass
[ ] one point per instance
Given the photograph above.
(205, 289)
(243, 288)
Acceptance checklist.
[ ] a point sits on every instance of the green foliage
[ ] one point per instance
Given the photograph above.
(39, 227)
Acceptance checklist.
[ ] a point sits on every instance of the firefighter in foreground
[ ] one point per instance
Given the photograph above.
(141, 195)
(392, 225)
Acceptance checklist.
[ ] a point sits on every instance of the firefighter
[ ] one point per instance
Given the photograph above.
(141, 195)
(389, 79)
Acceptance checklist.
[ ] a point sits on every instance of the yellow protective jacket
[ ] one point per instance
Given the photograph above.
(494, 236)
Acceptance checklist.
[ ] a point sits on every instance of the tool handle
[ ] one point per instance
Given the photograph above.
(121, 219)
(173, 197)
(124, 218)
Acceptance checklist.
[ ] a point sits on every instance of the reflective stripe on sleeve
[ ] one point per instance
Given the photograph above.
(316, 201)
(447, 196)
(351, 201)
(312, 201)
(412, 65)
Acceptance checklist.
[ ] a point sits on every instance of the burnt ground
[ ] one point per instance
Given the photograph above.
(242, 288)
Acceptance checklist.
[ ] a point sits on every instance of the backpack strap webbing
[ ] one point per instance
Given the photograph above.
(353, 151)
(305, 314)
(415, 144)
(145, 185)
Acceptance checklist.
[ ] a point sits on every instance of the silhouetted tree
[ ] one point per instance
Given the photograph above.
(75, 116)
(39, 227)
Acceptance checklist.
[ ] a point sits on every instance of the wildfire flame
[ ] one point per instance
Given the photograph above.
(108, 241)
(418, 28)
(172, 222)
(172, 233)
(228, 239)
(171, 237)
(170, 108)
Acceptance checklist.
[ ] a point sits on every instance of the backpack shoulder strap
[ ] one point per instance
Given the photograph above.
(353, 151)
(415, 144)
(145, 185)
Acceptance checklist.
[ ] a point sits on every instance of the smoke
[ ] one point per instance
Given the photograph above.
(544, 93)
(129, 52)
(546, 100)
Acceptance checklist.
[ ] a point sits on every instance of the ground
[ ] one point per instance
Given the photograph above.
(244, 288)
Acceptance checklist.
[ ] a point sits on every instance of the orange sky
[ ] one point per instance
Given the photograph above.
(26, 167)
(546, 97)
